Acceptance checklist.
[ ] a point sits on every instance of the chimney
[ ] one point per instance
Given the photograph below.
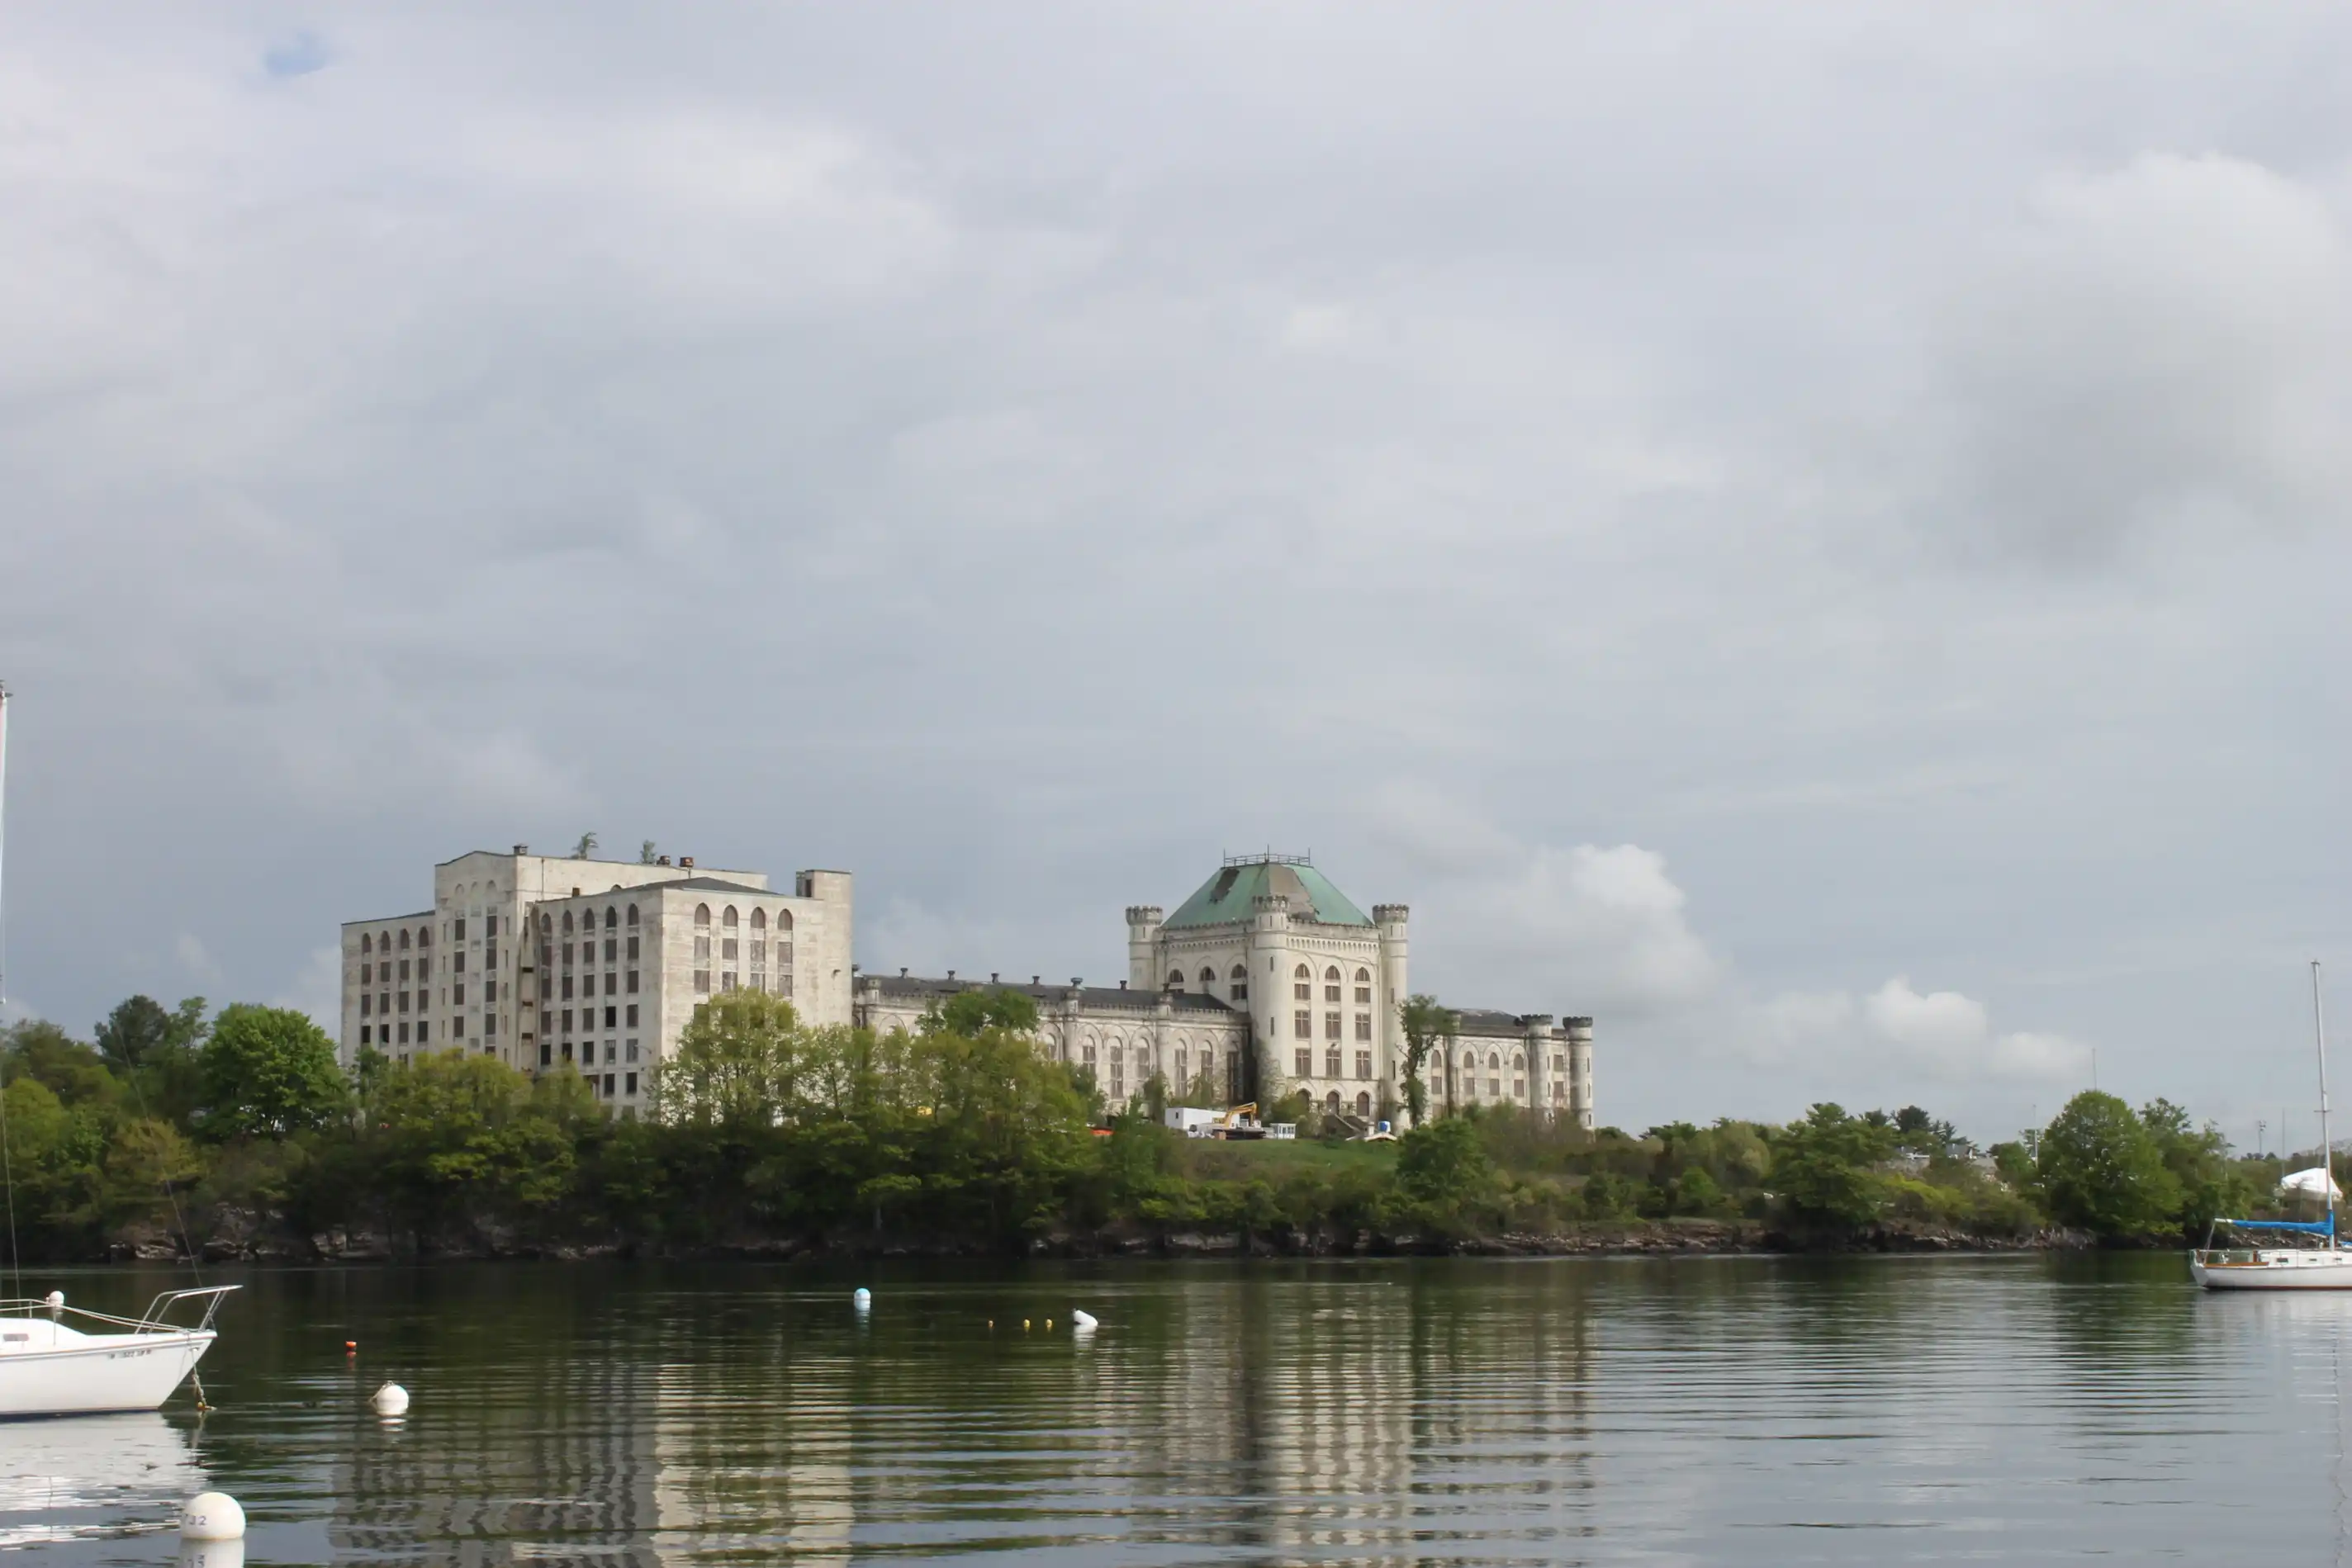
(686, 861)
(902, 971)
(1036, 980)
(1122, 985)
(991, 976)
(522, 849)
(950, 973)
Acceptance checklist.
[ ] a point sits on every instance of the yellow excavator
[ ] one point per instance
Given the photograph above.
(1238, 1122)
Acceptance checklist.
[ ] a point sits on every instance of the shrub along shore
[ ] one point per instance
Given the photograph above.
(238, 1135)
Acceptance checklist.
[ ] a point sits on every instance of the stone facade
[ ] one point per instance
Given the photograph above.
(1123, 1035)
(592, 966)
(1268, 980)
(1271, 975)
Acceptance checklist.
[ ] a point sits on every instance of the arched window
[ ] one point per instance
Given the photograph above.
(1208, 976)
(702, 914)
(758, 920)
(611, 917)
(1175, 979)
(403, 941)
(1240, 972)
(784, 920)
(1364, 1103)
(633, 915)
(1332, 973)
(1332, 1103)
(1302, 973)
(1363, 977)
(567, 923)
(1493, 1061)
(727, 919)
(363, 943)
(425, 936)
(1518, 1061)
(546, 924)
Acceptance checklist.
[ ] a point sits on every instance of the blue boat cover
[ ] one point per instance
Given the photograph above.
(2314, 1226)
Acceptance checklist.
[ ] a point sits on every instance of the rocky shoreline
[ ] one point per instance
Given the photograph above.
(238, 1237)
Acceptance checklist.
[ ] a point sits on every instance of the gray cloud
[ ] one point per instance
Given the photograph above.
(1546, 460)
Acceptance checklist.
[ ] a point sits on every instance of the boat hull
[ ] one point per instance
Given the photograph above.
(2326, 1273)
(103, 1373)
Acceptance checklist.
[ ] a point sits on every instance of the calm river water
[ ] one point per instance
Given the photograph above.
(1693, 1411)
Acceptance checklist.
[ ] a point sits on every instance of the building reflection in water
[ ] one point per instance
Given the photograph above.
(1299, 1410)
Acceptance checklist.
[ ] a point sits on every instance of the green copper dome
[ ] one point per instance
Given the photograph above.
(1226, 897)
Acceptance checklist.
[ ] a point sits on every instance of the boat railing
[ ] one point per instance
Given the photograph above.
(157, 1319)
(2226, 1256)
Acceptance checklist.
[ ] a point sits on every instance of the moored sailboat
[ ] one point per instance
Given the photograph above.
(2324, 1263)
(100, 1363)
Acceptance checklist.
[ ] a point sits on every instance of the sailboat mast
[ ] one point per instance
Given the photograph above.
(3, 847)
(2326, 1155)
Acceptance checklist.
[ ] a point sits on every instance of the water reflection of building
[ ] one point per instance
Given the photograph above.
(550, 1460)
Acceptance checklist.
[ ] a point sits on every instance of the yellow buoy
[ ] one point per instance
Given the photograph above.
(1049, 1325)
(1025, 1325)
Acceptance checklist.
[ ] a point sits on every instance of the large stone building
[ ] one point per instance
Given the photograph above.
(592, 966)
(1266, 980)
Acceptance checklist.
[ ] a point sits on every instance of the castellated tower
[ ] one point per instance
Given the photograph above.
(1391, 919)
(1269, 967)
(1579, 1071)
(1143, 946)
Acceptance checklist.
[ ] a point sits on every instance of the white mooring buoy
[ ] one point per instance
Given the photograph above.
(212, 1516)
(391, 1399)
(56, 1299)
(863, 1299)
(1082, 1321)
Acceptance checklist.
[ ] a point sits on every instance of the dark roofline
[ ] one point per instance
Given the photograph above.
(910, 987)
(592, 860)
(380, 919)
(677, 884)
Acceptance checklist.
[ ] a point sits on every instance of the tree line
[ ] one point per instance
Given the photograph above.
(240, 1126)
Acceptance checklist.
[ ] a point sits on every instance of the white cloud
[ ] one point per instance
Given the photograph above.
(317, 989)
(2161, 347)
(197, 959)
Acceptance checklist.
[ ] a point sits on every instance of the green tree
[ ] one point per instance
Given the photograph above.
(2100, 1168)
(972, 1013)
(738, 1064)
(1825, 1167)
(269, 1071)
(456, 1138)
(585, 848)
(1442, 1164)
(2212, 1183)
(1424, 1022)
(140, 1027)
(646, 853)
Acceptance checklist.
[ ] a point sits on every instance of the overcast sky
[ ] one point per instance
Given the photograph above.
(1813, 534)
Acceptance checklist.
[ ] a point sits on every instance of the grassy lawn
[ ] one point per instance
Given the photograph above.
(1213, 1160)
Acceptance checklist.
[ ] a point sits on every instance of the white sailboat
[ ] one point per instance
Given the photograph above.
(2322, 1264)
(100, 1362)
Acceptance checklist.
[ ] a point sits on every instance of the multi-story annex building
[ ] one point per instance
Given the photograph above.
(1267, 979)
(590, 966)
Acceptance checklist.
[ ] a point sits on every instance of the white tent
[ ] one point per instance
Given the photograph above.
(2312, 1182)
